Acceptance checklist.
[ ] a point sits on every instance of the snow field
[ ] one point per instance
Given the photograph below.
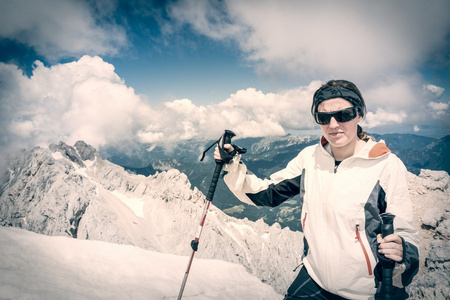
(34, 266)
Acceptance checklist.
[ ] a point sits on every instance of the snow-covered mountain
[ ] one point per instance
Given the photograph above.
(268, 155)
(71, 191)
(265, 156)
(39, 267)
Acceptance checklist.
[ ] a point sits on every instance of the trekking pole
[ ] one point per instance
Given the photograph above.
(387, 228)
(225, 139)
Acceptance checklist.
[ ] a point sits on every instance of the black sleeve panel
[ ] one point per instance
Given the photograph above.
(276, 194)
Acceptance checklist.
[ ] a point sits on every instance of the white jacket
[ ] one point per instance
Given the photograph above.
(340, 209)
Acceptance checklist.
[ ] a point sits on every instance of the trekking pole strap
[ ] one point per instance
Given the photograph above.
(224, 155)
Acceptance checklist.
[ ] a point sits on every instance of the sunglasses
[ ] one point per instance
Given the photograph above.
(341, 116)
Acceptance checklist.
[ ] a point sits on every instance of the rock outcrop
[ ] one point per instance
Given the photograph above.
(430, 195)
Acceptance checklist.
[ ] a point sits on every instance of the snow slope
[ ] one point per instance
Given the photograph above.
(71, 191)
(34, 266)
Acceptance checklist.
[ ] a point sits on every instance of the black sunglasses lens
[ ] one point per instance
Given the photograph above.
(341, 116)
(346, 115)
(322, 118)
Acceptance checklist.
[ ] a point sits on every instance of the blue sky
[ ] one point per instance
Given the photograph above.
(209, 73)
(117, 72)
(182, 64)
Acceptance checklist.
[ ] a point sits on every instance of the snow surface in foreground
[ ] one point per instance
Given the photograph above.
(34, 266)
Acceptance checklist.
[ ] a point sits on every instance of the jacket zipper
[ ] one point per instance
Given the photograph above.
(358, 238)
(304, 222)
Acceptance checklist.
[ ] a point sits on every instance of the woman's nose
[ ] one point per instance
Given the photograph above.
(333, 122)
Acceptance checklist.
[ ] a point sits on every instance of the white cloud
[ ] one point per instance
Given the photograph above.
(86, 100)
(438, 106)
(439, 109)
(378, 47)
(382, 118)
(403, 101)
(58, 29)
(350, 39)
(206, 17)
(436, 90)
(394, 94)
(416, 128)
(23, 129)
(149, 137)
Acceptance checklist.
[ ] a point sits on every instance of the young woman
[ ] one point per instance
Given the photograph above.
(344, 182)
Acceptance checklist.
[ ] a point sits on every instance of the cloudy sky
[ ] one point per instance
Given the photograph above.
(119, 73)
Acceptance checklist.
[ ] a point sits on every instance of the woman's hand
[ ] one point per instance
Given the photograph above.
(391, 247)
(227, 148)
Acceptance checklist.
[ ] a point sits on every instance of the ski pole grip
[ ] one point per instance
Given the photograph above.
(387, 226)
(227, 136)
(225, 139)
(215, 179)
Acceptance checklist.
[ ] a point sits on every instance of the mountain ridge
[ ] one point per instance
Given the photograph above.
(54, 191)
(72, 191)
(267, 155)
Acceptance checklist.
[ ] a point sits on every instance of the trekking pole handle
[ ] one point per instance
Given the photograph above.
(225, 139)
(387, 228)
(215, 179)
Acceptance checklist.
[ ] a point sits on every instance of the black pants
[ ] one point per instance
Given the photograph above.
(304, 287)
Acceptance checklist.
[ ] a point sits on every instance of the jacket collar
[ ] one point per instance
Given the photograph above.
(372, 149)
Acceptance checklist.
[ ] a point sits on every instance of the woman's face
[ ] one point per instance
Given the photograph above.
(339, 134)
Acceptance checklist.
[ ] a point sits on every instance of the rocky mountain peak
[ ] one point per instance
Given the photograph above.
(79, 153)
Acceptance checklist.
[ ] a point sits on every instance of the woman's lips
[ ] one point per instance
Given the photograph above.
(335, 133)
